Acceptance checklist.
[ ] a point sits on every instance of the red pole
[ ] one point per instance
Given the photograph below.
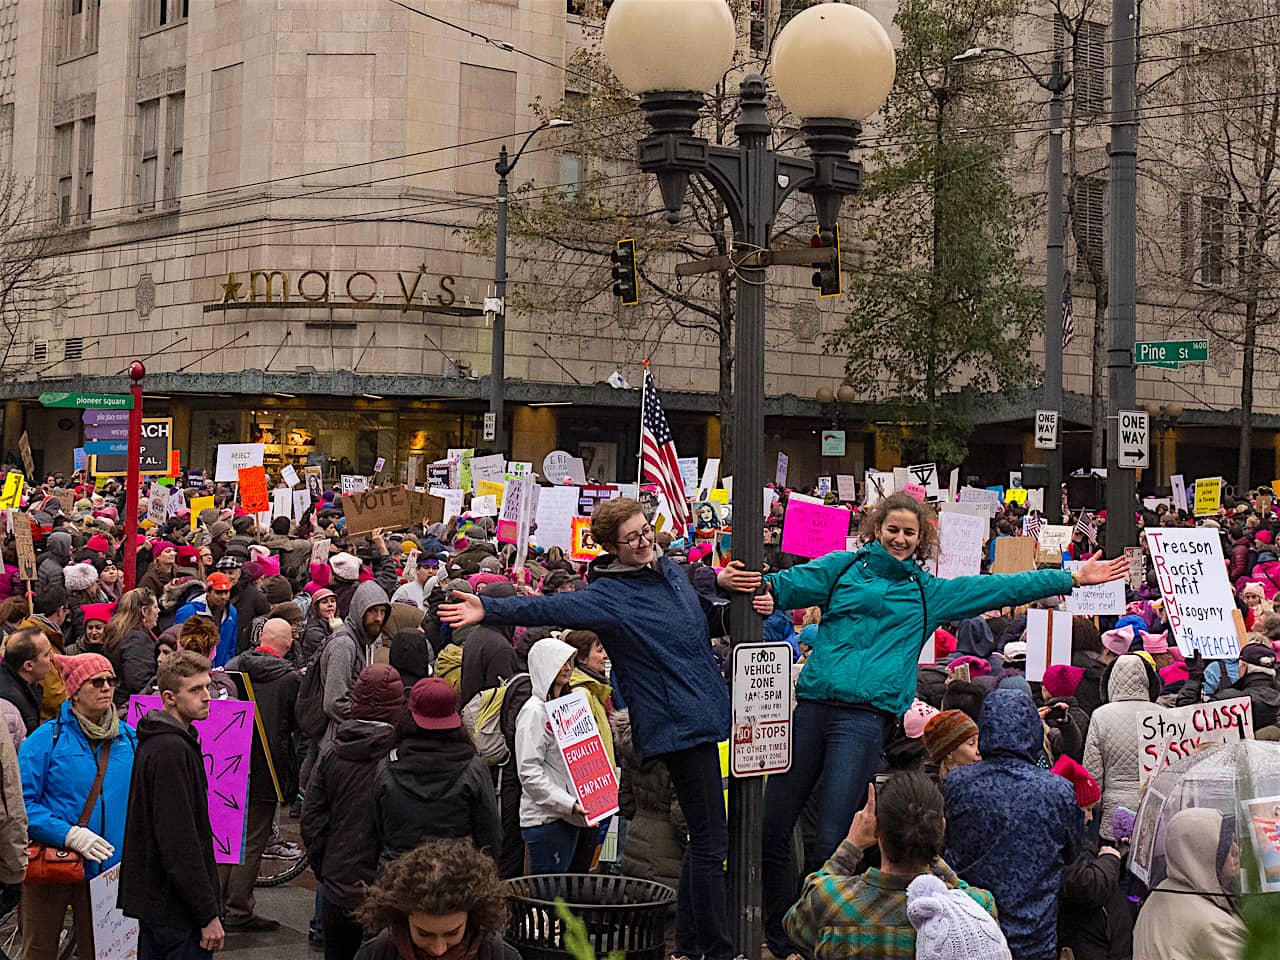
(132, 487)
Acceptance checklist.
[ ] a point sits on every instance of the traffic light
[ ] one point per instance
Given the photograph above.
(626, 281)
(827, 277)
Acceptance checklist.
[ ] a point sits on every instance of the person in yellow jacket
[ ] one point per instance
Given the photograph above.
(589, 666)
(50, 611)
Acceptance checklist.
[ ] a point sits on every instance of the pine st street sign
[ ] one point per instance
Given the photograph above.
(1169, 353)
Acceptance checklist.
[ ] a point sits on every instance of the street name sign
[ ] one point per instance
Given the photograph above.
(88, 401)
(1169, 353)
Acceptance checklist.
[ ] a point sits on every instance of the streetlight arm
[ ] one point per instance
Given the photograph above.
(508, 166)
(1057, 82)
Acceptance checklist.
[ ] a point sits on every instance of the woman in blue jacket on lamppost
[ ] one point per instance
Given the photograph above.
(60, 762)
(879, 606)
(657, 631)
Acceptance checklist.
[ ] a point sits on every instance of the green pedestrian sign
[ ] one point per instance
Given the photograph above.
(1169, 353)
(88, 401)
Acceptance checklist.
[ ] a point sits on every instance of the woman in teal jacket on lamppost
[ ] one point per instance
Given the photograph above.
(879, 605)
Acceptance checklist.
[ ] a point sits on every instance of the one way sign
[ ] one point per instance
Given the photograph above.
(1134, 436)
(1046, 429)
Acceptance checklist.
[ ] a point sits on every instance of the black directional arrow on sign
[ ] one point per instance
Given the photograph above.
(229, 801)
(231, 766)
(224, 846)
(237, 720)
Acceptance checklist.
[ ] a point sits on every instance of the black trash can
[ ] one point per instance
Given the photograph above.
(623, 914)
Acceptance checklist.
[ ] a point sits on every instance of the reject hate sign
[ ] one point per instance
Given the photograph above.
(1198, 602)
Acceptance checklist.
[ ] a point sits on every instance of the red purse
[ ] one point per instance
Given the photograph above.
(48, 863)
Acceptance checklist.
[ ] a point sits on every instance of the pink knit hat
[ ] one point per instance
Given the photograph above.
(1155, 643)
(917, 715)
(1118, 641)
(977, 666)
(1061, 680)
(76, 670)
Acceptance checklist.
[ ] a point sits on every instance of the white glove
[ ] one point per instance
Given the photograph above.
(88, 844)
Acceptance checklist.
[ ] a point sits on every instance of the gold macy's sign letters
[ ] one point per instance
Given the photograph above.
(320, 286)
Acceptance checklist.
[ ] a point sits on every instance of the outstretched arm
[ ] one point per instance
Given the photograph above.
(579, 610)
(966, 597)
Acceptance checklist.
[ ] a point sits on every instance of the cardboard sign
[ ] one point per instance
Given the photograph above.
(1208, 494)
(580, 744)
(582, 546)
(1166, 735)
(1198, 601)
(1014, 555)
(289, 475)
(810, 528)
(1048, 641)
(115, 936)
(20, 524)
(234, 457)
(388, 508)
(1179, 487)
(24, 447)
(780, 474)
(557, 506)
(1105, 599)
(452, 503)
(1053, 541)
(762, 694)
(961, 537)
(253, 489)
(226, 738)
(846, 488)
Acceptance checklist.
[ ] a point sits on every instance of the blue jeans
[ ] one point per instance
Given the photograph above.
(158, 942)
(559, 847)
(702, 902)
(841, 746)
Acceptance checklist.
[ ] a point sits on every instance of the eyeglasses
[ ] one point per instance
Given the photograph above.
(634, 540)
(103, 683)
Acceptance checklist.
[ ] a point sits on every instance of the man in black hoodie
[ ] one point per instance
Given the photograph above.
(275, 684)
(168, 880)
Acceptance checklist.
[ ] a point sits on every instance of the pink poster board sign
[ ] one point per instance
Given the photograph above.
(813, 529)
(226, 738)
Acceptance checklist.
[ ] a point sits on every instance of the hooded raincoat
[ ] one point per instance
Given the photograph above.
(1012, 826)
(1186, 917)
(348, 651)
(548, 791)
(1111, 748)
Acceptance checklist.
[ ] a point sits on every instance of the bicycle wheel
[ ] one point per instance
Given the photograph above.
(11, 936)
(277, 871)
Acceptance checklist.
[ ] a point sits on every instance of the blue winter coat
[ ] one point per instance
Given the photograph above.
(877, 612)
(228, 630)
(1012, 826)
(55, 786)
(657, 631)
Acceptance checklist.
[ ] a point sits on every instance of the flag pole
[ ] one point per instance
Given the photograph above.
(644, 376)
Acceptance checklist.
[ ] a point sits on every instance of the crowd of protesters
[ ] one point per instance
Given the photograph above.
(369, 658)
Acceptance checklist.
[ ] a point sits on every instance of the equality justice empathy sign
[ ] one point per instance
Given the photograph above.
(579, 740)
(1192, 577)
(226, 737)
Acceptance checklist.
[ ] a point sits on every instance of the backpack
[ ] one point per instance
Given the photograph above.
(448, 665)
(482, 717)
(309, 707)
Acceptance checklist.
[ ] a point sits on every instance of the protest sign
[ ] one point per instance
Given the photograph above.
(769, 499)
(780, 474)
(320, 550)
(177, 502)
(282, 502)
(158, 505)
(484, 506)
(557, 506)
(1179, 487)
(490, 468)
(490, 488)
(1014, 555)
(1035, 500)
(917, 491)
(79, 458)
(1048, 641)
(1208, 493)
(1137, 558)
(710, 474)
(555, 465)
(11, 496)
(301, 501)
(989, 498)
(1169, 734)
(578, 738)
(824, 486)
(198, 506)
(846, 488)
(387, 508)
(350, 483)
(289, 475)
(438, 475)
(234, 457)
(1105, 599)
(1015, 480)
(926, 475)
(462, 457)
(226, 738)
(1054, 539)
(452, 500)
(689, 475)
(20, 525)
(1016, 495)
(517, 498)
(810, 528)
(253, 489)
(762, 695)
(1263, 814)
(969, 509)
(878, 485)
(115, 936)
(589, 496)
(315, 482)
(582, 546)
(960, 551)
(1198, 601)
(379, 464)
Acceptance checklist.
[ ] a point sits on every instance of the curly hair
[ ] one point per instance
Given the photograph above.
(200, 634)
(607, 517)
(926, 519)
(438, 877)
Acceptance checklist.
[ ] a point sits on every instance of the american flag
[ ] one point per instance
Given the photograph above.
(658, 452)
(1086, 529)
(1068, 316)
(1034, 522)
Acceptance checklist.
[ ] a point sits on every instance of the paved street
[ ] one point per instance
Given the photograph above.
(292, 905)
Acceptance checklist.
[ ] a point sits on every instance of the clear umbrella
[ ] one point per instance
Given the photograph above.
(1240, 780)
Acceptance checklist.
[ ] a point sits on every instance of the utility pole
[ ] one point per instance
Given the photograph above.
(1054, 280)
(498, 344)
(133, 477)
(1121, 529)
